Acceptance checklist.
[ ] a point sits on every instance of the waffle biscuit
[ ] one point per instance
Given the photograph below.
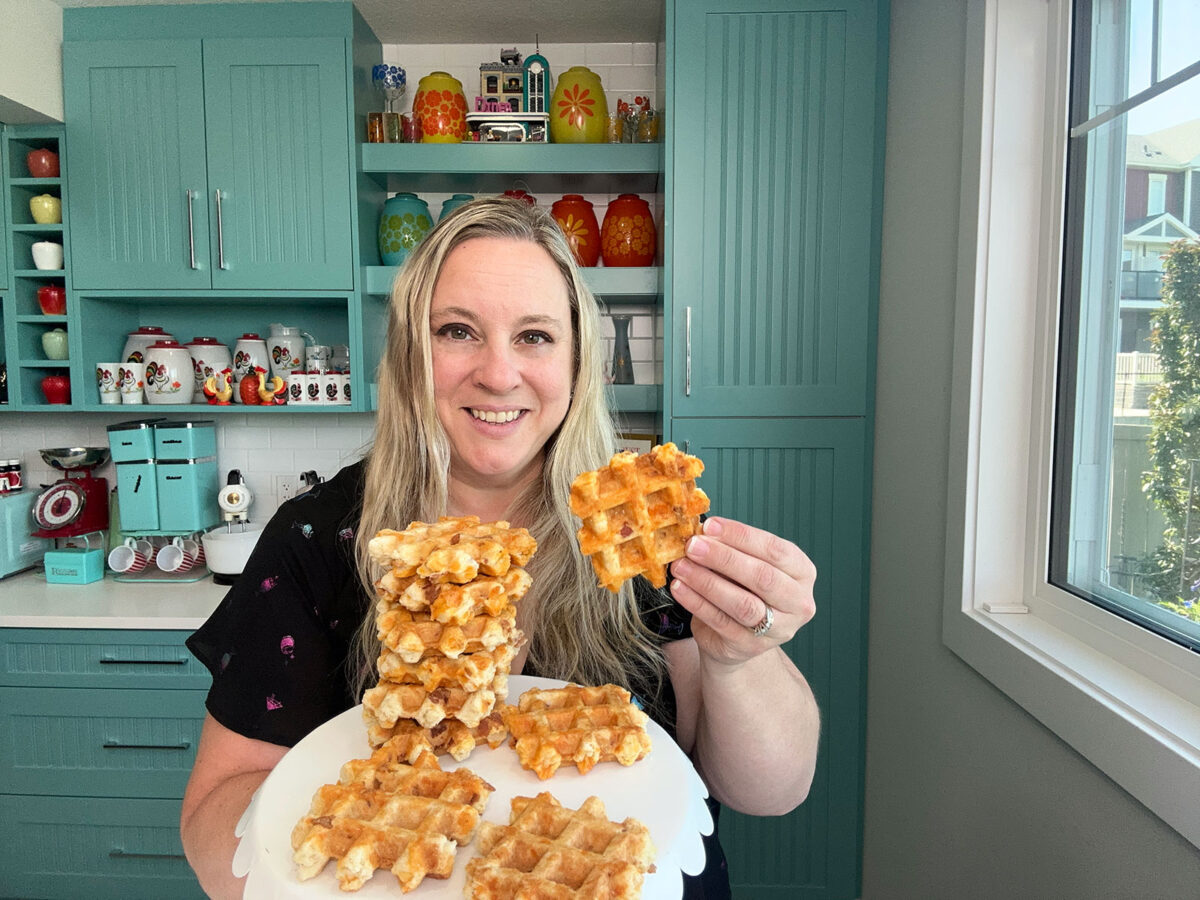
(470, 672)
(583, 725)
(408, 739)
(638, 512)
(406, 818)
(414, 636)
(386, 703)
(452, 603)
(452, 549)
(548, 851)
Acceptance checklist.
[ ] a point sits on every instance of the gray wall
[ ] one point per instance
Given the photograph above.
(967, 796)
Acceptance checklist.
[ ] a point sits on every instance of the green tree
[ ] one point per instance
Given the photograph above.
(1173, 482)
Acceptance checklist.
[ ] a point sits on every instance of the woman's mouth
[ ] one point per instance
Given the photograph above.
(496, 417)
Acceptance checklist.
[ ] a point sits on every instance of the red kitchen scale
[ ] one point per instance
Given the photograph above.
(78, 502)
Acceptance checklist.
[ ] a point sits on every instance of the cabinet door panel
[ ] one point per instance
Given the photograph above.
(135, 126)
(806, 481)
(773, 203)
(278, 153)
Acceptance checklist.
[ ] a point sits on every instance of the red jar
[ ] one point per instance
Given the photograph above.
(577, 219)
(521, 194)
(42, 163)
(628, 237)
(52, 299)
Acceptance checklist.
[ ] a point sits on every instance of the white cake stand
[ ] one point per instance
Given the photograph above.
(662, 790)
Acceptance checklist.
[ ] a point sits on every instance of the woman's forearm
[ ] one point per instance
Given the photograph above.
(208, 838)
(756, 733)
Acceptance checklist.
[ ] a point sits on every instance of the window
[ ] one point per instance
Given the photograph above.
(1125, 515)
(1092, 661)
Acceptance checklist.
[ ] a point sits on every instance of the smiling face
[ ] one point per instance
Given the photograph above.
(502, 348)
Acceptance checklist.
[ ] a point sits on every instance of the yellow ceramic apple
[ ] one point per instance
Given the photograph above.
(46, 209)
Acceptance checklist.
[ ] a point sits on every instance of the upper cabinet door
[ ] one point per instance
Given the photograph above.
(773, 186)
(279, 159)
(134, 115)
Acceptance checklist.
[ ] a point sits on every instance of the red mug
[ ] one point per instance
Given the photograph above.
(52, 298)
(57, 388)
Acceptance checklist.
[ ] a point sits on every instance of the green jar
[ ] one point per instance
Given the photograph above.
(404, 221)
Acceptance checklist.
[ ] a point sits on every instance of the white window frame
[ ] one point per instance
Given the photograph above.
(1125, 698)
(1156, 182)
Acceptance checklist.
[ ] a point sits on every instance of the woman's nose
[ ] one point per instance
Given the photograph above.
(497, 370)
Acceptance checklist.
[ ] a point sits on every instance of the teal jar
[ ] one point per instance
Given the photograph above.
(454, 203)
(404, 221)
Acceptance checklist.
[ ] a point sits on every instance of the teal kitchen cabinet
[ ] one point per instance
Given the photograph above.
(210, 163)
(774, 206)
(774, 196)
(98, 733)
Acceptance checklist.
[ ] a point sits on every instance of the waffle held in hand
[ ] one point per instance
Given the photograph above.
(574, 724)
(549, 851)
(390, 815)
(452, 549)
(638, 512)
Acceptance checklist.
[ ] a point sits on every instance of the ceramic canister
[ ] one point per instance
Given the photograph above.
(169, 373)
(578, 109)
(285, 346)
(440, 108)
(249, 353)
(136, 342)
(577, 219)
(209, 357)
(627, 237)
(453, 203)
(404, 221)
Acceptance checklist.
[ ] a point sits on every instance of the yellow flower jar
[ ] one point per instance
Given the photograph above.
(578, 109)
(440, 108)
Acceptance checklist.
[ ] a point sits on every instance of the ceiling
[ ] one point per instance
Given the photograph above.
(464, 22)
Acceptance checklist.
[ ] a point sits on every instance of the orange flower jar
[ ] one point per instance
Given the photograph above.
(627, 237)
(578, 109)
(440, 109)
(577, 219)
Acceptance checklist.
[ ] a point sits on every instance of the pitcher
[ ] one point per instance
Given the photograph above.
(285, 347)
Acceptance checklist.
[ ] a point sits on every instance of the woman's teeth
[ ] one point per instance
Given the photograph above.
(496, 418)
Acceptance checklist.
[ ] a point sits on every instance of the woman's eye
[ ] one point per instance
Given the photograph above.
(535, 337)
(454, 332)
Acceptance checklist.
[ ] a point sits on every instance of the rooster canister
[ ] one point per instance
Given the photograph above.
(440, 108)
(404, 221)
(576, 217)
(249, 354)
(578, 109)
(169, 375)
(209, 357)
(136, 342)
(627, 237)
(285, 345)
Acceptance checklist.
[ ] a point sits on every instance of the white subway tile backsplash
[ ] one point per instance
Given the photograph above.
(607, 55)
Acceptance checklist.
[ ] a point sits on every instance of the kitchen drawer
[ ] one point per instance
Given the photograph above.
(93, 743)
(69, 847)
(51, 657)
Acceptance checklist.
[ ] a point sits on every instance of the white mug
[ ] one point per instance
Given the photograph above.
(179, 556)
(47, 255)
(132, 556)
(133, 382)
(108, 380)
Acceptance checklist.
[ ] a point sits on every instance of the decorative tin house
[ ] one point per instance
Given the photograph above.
(501, 84)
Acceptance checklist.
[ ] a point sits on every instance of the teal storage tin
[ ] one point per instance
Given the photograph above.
(132, 440)
(194, 439)
(187, 495)
(137, 492)
(74, 565)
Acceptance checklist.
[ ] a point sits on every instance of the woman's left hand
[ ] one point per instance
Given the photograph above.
(748, 590)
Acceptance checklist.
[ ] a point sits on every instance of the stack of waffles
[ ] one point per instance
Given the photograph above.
(446, 618)
(638, 512)
(549, 851)
(574, 724)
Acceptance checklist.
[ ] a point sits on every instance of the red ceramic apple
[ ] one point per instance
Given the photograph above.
(57, 388)
(52, 298)
(42, 163)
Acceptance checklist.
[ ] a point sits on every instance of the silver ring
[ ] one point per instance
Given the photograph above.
(768, 620)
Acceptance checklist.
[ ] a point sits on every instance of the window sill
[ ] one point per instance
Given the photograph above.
(1144, 737)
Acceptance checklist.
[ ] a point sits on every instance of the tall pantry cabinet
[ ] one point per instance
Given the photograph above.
(774, 196)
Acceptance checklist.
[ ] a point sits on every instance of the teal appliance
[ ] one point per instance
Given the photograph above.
(19, 548)
(167, 478)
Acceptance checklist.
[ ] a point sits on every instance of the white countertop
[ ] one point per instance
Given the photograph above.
(28, 601)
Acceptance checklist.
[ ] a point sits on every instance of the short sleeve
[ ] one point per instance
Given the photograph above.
(661, 615)
(278, 644)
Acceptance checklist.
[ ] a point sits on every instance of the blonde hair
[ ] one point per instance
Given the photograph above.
(582, 632)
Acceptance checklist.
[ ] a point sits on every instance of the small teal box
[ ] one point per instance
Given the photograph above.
(74, 565)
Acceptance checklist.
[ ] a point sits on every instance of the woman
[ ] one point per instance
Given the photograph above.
(491, 400)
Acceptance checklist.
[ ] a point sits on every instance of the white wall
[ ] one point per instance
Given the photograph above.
(30, 61)
(966, 795)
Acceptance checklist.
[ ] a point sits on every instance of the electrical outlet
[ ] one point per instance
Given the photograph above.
(285, 487)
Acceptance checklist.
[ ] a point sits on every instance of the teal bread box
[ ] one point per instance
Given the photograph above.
(132, 440)
(137, 492)
(187, 495)
(74, 565)
(185, 440)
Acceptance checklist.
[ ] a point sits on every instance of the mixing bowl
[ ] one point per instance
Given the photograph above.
(65, 458)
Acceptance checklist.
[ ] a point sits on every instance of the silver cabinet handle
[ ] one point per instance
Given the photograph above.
(191, 229)
(687, 363)
(220, 232)
(117, 745)
(118, 853)
(112, 661)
